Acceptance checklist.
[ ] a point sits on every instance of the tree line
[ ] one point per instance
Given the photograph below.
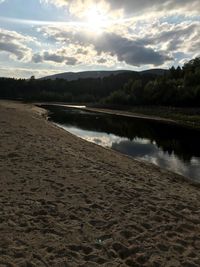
(176, 87)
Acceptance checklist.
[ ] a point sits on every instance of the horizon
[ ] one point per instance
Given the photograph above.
(78, 72)
(45, 37)
(110, 70)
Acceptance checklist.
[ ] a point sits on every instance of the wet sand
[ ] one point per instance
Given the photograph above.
(67, 202)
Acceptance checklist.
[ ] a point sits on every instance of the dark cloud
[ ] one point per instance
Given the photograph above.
(82, 51)
(13, 43)
(102, 61)
(134, 6)
(57, 57)
(129, 51)
(37, 58)
(70, 60)
(13, 49)
(53, 57)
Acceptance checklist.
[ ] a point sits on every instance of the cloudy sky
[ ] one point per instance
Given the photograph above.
(42, 37)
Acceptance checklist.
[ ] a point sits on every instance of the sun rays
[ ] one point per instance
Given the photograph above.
(97, 19)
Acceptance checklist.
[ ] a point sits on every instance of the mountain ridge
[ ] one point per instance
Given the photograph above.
(70, 76)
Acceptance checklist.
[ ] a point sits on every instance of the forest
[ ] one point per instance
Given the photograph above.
(178, 87)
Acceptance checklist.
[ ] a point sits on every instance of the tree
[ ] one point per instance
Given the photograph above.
(192, 66)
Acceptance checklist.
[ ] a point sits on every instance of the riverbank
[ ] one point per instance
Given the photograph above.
(67, 202)
(187, 117)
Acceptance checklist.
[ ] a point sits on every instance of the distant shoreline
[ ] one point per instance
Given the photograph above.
(127, 113)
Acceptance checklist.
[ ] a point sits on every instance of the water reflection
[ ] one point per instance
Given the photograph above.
(155, 155)
(168, 146)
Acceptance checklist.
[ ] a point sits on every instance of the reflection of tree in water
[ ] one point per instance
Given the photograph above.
(170, 138)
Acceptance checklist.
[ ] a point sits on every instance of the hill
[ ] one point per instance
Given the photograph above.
(158, 72)
(72, 76)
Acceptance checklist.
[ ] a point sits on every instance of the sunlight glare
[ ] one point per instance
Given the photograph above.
(96, 19)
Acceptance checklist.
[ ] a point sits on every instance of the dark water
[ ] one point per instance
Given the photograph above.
(169, 146)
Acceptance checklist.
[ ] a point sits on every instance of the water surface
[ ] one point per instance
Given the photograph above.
(169, 146)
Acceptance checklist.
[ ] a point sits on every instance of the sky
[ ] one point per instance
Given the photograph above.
(44, 37)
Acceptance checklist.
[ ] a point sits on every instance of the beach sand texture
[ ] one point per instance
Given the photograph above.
(67, 202)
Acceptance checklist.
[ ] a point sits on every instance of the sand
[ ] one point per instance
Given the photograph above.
(67, 202)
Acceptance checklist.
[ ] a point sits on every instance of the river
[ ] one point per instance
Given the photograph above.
(168, 146)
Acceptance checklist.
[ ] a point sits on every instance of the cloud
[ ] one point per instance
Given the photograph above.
(125, 49)
(59, 56)
(37, 58)
(129, 7)
(133, 6)
(56, 2)
(182, 37)
(14, 44)
(102, 61)
(82, 51)
(130, 51)
(19, 72)
(13, 48)
(70, 61)
(138, 33)
(137, 42)
(74, 55)
(55, 57)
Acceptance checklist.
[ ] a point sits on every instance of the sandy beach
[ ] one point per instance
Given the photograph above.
(66, 202)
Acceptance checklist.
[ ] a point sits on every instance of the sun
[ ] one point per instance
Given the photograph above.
(97, 19)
